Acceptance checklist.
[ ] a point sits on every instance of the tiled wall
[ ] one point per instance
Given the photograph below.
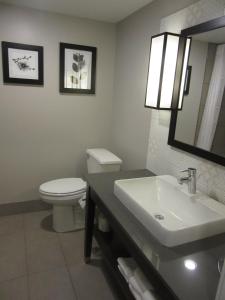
(163, 159)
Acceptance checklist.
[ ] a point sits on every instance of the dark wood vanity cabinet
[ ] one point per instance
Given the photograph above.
(163, 266)
(118, 243)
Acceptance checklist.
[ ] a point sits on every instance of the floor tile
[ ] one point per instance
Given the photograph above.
(12, 256)
(11, 224)
(73, 246)
(14, 289)
(51, 285)
(29, 247)
(90, 282)
(38, 220)
(43, 251)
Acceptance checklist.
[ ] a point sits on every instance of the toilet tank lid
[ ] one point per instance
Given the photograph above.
(104, 156)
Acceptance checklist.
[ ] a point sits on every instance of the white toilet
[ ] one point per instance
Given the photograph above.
(64, 193)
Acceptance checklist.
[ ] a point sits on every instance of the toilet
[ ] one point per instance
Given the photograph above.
(65, 193)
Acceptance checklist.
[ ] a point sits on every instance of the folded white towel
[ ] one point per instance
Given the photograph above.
(139, 286)
(140, 282)
(122, 272)
(135, 294)
(138, 295)
(128, 265)
(148, 295)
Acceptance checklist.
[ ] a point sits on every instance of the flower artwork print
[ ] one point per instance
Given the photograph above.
(77, 69)
(23, 64)
(78, 66)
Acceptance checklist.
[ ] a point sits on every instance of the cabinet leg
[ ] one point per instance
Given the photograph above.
(89, 227)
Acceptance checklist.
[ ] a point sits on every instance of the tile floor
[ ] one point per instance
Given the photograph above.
(39, 264)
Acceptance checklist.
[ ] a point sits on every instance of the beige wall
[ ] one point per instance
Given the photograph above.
(44, 134)
(131, 120)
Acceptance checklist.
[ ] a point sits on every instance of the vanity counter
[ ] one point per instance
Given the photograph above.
(185, 272)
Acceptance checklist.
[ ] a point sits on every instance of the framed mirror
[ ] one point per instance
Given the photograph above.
(199, 128)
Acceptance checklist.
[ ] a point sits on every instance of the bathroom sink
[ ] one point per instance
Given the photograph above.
(168, 211)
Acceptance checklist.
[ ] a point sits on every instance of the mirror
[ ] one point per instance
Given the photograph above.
(199, 127)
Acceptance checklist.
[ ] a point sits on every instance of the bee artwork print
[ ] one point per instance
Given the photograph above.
(22, 63)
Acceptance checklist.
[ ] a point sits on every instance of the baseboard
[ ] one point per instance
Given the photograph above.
(22, 207)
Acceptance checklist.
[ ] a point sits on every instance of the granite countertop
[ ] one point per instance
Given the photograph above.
(198, 284)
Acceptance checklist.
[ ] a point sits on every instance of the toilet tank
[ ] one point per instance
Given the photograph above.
(101, 160)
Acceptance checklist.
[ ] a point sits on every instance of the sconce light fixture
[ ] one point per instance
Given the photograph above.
(168, 61)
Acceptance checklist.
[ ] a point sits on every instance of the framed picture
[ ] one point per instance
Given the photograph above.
(77, 69)
(187, 80)
(22, 63)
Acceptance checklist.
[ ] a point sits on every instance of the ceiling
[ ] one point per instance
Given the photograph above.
(102, 10)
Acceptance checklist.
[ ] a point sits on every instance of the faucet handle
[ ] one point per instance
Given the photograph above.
(182, 171)
(191, 171)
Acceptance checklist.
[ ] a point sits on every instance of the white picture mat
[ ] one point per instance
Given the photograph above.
(14, 70)
(85, 83)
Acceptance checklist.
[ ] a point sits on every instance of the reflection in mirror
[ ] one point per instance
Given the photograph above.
(201, 122)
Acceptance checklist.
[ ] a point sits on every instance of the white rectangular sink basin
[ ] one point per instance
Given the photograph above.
(168, 211)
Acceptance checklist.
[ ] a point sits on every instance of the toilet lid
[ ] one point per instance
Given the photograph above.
(63, 186)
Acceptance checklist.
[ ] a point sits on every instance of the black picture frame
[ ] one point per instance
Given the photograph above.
(187, 80)
(7, 60)
(200, 28)
(72, 87)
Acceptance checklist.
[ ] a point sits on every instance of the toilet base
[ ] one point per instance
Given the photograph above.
(63, 218)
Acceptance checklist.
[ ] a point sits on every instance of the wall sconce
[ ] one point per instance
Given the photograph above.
(168, 61)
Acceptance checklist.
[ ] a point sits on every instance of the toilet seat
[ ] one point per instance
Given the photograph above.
(63, 187)
(63, 194)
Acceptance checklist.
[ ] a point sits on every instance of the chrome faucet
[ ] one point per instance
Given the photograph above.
(190, 179)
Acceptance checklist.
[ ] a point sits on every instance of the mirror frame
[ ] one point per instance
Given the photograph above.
(200, 28)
